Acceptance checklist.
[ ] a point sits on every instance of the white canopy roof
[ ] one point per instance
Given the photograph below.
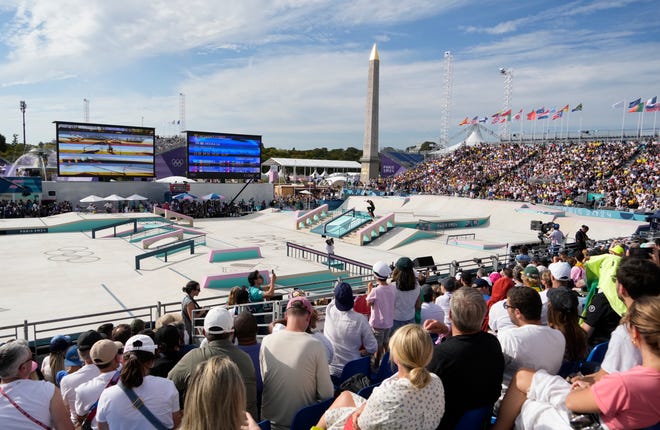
(303, 162)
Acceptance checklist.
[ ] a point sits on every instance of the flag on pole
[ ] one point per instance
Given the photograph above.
(565, 109)
(636, 106)
(466, 121)
(577, 108)
(542, 113)
(518, 115)
(484, 119)
(652, 104)
(474, 120)
(531, 116)
(558, 114)
(617, 104)
(507, 113)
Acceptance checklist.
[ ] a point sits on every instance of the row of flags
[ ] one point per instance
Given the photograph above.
(638, 105)
(651, 105)
(541, 113)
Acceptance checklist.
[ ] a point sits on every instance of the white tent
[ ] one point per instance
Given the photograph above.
(175, 180)
(475, 137)
(92, 199)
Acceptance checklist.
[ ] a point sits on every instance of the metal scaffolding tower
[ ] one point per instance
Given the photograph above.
(85, 110)
(508, 89)
(446, 102)
(182, 112)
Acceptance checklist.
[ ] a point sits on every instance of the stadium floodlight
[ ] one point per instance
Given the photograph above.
(508, 89)
(23, 106)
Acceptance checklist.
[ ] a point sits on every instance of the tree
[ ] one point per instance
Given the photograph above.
(3, 143)
(428, 146)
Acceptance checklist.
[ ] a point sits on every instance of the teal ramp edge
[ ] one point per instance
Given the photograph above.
(314, 281)
(248, 254)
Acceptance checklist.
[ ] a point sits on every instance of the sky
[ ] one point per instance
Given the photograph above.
(295, 71)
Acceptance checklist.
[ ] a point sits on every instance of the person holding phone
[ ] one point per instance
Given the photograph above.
(259, 292)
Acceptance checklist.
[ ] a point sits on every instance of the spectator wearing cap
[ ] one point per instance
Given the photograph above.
(34, 404)
(556, 239)
(87, 372)
(380, 298)
(54, 362)
(430, 310)
(293, 367)
(117, 404)
(105, 356)
(72, 363)
(483, 287)
(407, 298)
(531, 278)
(218, 329)
(470, 362)
(523, 257)
(348, 331)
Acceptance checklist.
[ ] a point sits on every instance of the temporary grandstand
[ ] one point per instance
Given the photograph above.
(396, 162)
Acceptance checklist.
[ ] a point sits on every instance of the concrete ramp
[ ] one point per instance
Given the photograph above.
(400, 236)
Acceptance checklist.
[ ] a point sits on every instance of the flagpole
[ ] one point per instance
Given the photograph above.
(641, 121)
(534, 130)
(623, 118)
(655, 112)
(580, 131)
(521, 125)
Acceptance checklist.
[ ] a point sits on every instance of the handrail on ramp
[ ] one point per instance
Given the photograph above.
(174, 247)
(114, 227)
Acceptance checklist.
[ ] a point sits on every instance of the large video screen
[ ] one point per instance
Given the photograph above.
(223, 156)
(85, 149)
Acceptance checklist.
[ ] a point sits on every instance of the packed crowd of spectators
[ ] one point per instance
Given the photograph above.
(556, 173)
(509, 338)
(32, 208)
(167, 143)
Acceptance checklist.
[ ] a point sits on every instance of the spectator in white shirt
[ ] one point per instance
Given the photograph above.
(348, 330)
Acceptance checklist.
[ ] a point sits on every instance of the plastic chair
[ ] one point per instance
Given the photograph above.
(475, 419)
(366, 391)
(384, 370)
(310, 415)
(264, 425)
(353, 367)
(598, 353)
(595, 357)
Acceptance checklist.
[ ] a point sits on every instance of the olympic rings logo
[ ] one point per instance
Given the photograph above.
(72, 254)
(177, 162)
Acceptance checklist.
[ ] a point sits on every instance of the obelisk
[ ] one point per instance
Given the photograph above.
(370, 161)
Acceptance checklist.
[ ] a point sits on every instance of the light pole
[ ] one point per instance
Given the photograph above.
(508, 89)
(23, 106)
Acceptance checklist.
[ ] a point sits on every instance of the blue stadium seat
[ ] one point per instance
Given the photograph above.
(310, 415)
(595, 357)
(353, 367)
(366, 391)
(264, 425)
(385, 369)
(475, 419)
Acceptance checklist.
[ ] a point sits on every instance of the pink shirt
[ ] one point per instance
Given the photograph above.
(629, 400)
(382, 311)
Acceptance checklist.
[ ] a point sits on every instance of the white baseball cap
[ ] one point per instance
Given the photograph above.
(382, 270)
(218, 320)
(140, 342)
(561, 271)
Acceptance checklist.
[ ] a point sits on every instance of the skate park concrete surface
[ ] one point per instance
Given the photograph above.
(58, 275)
